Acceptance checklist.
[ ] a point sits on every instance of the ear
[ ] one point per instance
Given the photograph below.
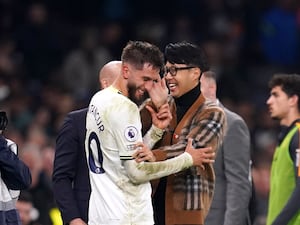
(125, 71)
(197, 74)
(104, 83)
(294, 100)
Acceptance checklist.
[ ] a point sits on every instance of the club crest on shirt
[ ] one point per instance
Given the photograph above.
(131, 133)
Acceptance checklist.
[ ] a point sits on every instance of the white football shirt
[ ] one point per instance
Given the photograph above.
(113, 128)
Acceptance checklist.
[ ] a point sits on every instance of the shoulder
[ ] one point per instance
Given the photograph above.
(77, 113)
(211, 110)
(12, 146)
(234, 119)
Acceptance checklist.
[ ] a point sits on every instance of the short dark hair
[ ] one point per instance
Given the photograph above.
(138, 53)
(290, 84)
(186, 53)
(25, 196)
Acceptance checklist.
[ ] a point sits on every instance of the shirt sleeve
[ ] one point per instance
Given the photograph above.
(153, 135)
(126, 129)
(146, 171)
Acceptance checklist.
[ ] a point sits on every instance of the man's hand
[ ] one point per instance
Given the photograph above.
(162, 118)
(158, 92)
(77, 221)
(143, 153)
(200, 155)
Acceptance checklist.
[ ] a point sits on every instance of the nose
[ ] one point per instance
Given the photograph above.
(268, 101)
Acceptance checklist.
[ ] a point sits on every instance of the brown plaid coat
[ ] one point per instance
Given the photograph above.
(189, 193)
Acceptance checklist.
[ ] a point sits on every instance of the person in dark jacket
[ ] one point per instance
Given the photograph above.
(14, 176)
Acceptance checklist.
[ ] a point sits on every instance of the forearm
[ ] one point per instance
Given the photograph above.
(153, 135)
(146, 171)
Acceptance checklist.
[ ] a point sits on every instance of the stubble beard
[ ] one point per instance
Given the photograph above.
(132, 95)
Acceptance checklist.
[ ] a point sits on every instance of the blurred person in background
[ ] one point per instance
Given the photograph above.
(14, 176)
(39, 43)
(82, 64)
(284, 106)
(280, 33)
(261, 179)
(41, 188)
(28, 214)
(232, 166)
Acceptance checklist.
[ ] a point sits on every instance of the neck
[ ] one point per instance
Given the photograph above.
(290, 118)
(189, 97)
(121, 85)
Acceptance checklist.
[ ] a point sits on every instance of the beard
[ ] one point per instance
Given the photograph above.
(133, 96)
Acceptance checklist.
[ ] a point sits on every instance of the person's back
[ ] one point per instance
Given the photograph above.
(71, 184)
(118, 194)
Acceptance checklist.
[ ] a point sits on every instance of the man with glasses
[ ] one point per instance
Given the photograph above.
(185, 198)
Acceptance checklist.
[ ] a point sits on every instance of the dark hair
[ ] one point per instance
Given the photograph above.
(186, 53)
(3, 120)
(25, 196)
(138, 53)
(290, 84)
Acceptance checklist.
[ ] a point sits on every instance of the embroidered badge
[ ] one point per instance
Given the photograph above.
(131, 133)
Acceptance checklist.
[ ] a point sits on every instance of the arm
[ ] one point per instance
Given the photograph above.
(146, 171)
(129, 131)
(160, 121)
(64, 170)
(14, 172)
(236, 149)
(207, 129)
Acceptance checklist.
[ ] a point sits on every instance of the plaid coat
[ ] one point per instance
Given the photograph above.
(189, 193)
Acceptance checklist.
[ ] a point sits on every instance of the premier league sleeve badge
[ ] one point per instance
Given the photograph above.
(131, 133)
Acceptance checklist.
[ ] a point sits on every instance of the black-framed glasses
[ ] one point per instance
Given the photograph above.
(173, 70)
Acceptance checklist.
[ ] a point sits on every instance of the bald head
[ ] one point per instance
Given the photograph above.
(209, 85)
(109, 73)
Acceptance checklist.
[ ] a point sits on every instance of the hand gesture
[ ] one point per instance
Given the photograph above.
(162, 118)
(200, 155)
(158, 92)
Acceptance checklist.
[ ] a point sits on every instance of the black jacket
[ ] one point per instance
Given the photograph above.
(71, 183)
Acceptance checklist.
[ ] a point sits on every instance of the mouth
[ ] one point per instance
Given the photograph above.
(270, 110)
(141, 92)
(172, 86)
